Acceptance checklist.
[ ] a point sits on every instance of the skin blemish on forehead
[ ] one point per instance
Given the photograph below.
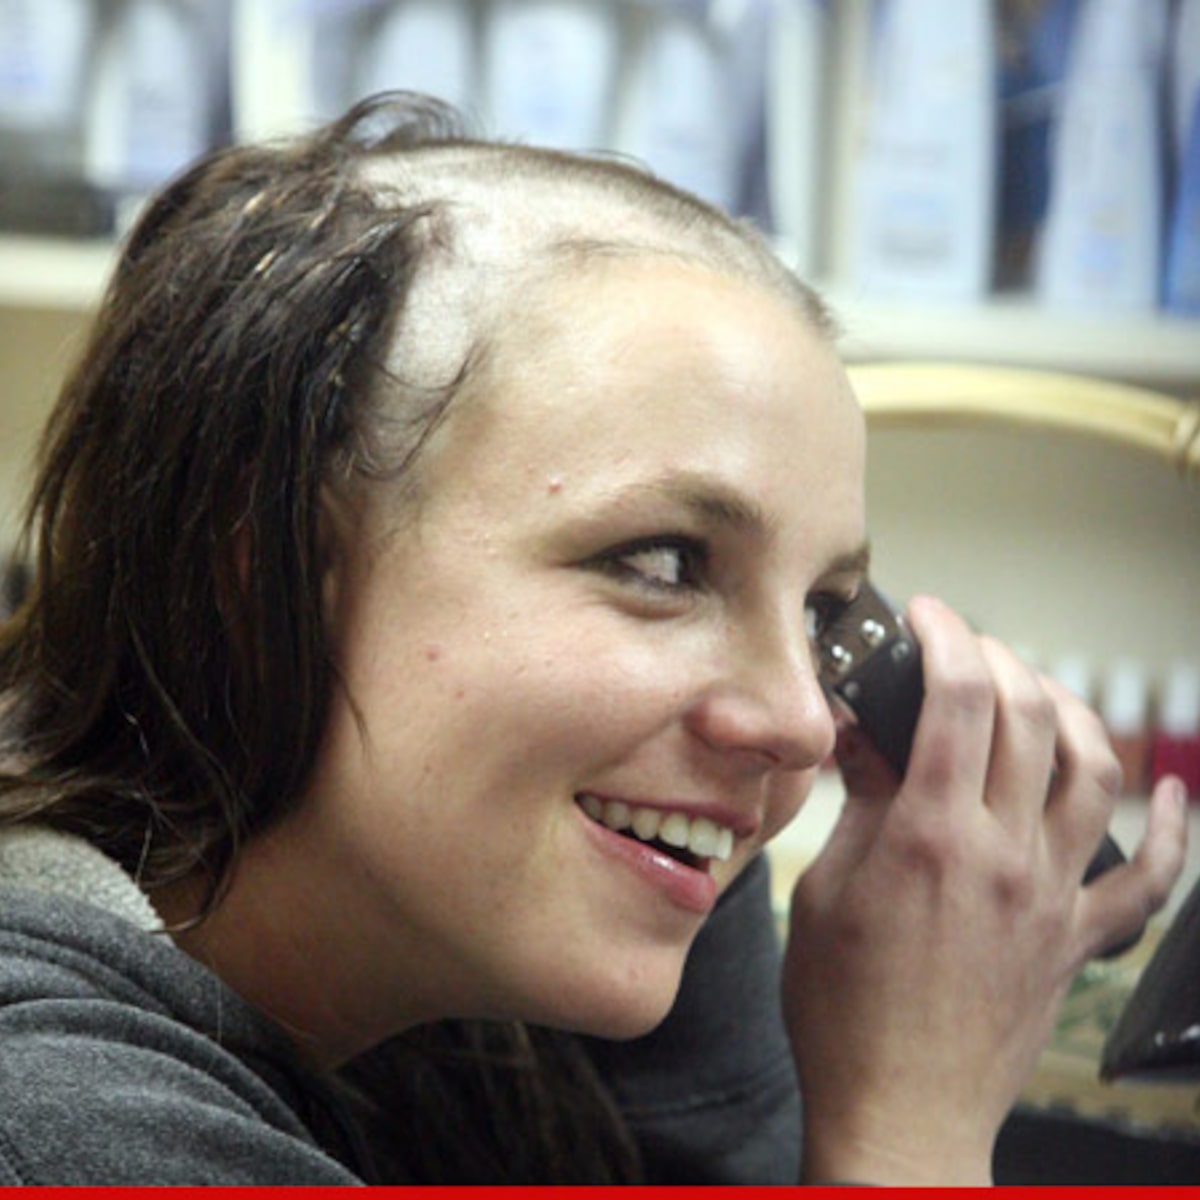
(554, 486)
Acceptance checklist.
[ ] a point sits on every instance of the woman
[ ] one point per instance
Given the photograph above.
(429, 545)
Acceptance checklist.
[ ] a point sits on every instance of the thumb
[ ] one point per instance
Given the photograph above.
(867, 774)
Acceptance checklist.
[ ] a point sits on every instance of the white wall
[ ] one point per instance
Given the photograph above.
(35, 347)
(1060, 544)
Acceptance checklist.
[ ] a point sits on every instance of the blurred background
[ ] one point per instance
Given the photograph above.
(1011, 182)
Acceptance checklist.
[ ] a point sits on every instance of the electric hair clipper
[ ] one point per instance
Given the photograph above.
(871, 662)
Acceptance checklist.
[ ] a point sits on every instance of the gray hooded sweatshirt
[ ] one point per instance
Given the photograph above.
(125, 1062)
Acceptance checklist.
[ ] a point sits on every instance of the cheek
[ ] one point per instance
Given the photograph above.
(523, 701)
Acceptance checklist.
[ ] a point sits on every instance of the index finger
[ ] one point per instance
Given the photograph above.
(953, 739)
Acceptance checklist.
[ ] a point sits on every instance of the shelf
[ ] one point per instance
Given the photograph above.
(1154, 349)
(921, 394)
(69, 276)
(53, 273)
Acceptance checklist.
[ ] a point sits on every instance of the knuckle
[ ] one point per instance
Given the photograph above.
(1014, 883)
(1018, 686)
(971, 693)
(1092, 726)
(1103, 768)
(1111, 777)
(933, 849)
(1034, 707)
(1155, 897)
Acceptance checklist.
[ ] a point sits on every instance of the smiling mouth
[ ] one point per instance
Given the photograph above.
(692, 841)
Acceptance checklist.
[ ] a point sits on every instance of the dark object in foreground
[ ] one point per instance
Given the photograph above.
(1157, 1036)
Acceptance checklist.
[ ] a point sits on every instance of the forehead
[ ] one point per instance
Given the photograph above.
(628, 372)
(644, 335)
(620, 315)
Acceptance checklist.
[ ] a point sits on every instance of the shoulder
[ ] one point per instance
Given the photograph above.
(122, 1062)
(109, 1097)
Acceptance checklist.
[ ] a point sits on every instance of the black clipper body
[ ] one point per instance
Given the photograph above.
(871, 662)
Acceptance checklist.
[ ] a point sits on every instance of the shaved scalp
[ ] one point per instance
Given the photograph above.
(505, 216)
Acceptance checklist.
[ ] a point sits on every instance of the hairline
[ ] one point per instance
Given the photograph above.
(686, 226)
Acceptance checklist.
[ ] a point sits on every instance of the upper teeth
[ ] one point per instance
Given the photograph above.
(703, 837)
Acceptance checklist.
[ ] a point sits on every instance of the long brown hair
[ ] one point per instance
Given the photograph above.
(165, 684)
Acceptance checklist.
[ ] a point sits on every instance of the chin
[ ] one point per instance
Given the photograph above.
(614, 1009)
(628, 1029)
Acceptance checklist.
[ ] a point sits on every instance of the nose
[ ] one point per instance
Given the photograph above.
(770, 710)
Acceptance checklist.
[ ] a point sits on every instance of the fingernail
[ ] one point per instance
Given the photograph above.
(1179, 792)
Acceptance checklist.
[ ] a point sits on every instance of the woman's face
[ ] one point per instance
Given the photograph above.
(589, 629)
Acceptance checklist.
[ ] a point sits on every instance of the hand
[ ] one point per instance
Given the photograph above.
(934, 938)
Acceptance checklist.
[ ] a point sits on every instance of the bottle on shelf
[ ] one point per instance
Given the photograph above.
(45, 74)
(424, 46)
(417, 45)
(676, 113)
(44, 47)
(151, 110)
(1125, 708)
(1184, 71)
(1176, 747)
(926, 175)
(1101, 247)
(1034, 43)
(1181, 289)
(549, 68)
(795, 119)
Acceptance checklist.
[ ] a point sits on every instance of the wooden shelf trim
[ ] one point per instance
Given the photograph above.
(922, 394)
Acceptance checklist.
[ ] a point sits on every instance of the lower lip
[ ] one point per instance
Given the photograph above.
(686, 887)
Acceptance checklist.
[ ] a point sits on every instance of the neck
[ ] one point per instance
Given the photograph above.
(287, 937)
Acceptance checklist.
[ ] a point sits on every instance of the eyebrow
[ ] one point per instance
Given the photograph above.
(714, 502)
(856, 562)
(710, 500)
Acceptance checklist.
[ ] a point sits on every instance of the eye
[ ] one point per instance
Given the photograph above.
(822, 610)
(661, 564)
